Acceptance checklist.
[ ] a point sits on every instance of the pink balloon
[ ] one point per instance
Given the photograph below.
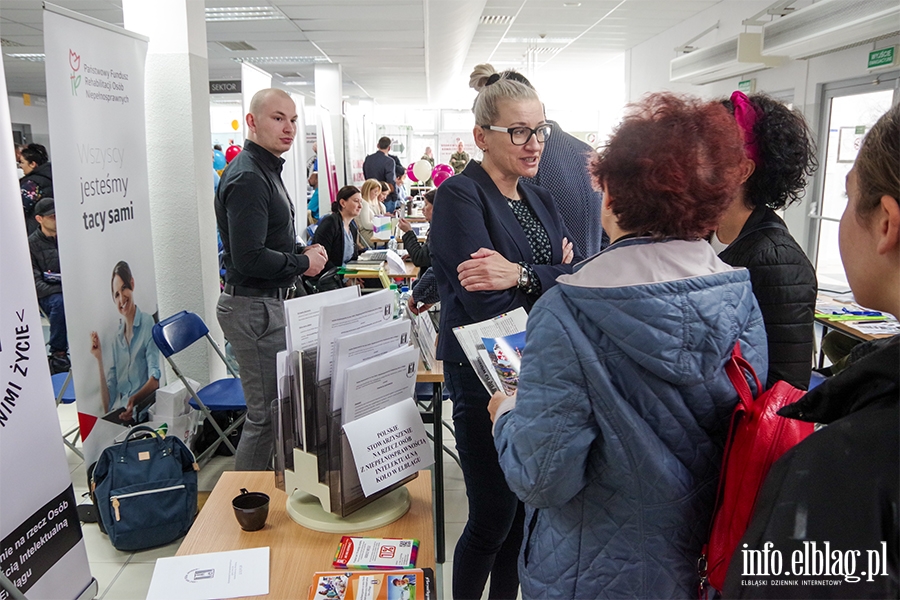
(439, 177)
(442, 168)
(410, 173)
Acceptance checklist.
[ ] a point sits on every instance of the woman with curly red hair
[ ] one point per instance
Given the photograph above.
(615, 439)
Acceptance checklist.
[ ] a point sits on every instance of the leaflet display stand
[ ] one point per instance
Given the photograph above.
(324, 492)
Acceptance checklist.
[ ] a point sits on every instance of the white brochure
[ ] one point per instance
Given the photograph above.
(301, 315)
(352, 316)
(214, 575)
(389, 445)
(396, 266)
(353, 349)
(379, 382)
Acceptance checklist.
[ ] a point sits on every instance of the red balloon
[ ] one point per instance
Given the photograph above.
(231, 152)
(410, 173)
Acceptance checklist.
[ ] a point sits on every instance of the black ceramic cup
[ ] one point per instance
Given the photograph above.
(251, 509)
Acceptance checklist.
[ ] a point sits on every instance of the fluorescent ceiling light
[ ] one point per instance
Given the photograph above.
(535, 40)
(30, 57)
(244, 13)
(298, 83)
(281, 60)
(495, 19)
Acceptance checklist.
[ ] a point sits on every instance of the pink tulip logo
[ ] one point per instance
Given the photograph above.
(75, 64)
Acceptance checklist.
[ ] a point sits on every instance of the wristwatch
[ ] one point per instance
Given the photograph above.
(524, 281)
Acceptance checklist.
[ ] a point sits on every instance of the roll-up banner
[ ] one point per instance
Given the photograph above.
(95, 101)
(42, 551)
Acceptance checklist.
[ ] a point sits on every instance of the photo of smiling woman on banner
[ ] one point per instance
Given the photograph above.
(128, 384)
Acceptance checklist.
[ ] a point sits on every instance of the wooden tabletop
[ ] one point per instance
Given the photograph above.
(435, 375)
(296, 552)
(848, 327)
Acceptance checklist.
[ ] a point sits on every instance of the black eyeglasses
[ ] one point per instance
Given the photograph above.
(519, 136)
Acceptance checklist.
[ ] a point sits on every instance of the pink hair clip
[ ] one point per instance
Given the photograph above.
(745, 114)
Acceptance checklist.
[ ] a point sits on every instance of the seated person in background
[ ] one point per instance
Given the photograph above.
(337, 232)
(312, 206)
(615, 438)
(400, 186)
(45, 266)
(37, 181)
(419, 254)
(779, 158)
(370, 191)
(383, 199)
(840, 486)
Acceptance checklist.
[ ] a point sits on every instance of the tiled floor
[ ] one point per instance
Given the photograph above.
(126, 576)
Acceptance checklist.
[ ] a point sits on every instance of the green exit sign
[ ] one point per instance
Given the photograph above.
(748, 86)
(883, 57)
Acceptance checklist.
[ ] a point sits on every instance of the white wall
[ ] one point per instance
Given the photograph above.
(647, 70)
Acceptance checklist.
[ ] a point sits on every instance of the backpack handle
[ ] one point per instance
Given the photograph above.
(133, 433)
(735, 368)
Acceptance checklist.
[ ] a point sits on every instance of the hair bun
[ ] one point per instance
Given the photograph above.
(481, 75)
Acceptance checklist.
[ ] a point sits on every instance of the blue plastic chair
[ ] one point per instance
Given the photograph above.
(180, 331)
(64, 391)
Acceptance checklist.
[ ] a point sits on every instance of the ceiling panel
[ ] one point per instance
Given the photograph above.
(382, 45)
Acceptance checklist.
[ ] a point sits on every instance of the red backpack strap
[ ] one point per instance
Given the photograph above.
(735, 368)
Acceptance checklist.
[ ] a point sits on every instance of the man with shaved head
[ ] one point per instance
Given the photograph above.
(255, 216)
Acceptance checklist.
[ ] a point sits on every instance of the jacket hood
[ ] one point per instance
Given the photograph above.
(672, 306)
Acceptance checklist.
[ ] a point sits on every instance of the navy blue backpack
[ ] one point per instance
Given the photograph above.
(145, 490)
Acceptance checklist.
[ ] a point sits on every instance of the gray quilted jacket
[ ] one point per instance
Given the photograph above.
(616, 439)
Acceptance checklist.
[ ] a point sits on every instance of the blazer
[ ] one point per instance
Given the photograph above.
(330, 233)
(471, 213)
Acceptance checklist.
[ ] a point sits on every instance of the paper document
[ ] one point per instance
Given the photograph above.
(301, 315)
(389, 446)
(379, 382)
(396, 266)
(348, 317)
(353, 349)
(426, 338)
(470, 339)
(888, 328)
(209, 576)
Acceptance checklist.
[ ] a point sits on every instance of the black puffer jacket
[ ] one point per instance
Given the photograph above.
(839, 486)
(44, 257)
(42, 177)
(784, 283)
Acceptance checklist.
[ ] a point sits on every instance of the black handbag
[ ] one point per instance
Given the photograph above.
(326, 281)
(145, 490)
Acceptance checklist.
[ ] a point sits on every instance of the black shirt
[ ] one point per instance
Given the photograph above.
(256, 221)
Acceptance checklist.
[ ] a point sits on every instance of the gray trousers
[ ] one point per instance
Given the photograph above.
(255, 329)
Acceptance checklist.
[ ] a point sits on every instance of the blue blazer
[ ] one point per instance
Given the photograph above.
(471, 213)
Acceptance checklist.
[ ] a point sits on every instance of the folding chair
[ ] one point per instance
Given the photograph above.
(176, 333)
(64, 390)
